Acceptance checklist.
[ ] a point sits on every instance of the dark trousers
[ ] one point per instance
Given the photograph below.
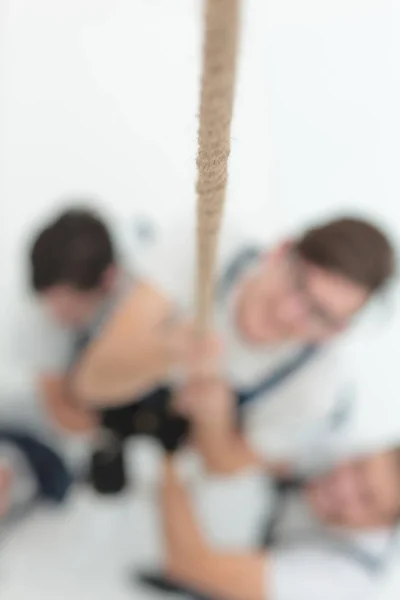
(150, 416)
(48, 467)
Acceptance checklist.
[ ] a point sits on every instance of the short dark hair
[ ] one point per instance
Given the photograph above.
(74, 249)
(353, 248)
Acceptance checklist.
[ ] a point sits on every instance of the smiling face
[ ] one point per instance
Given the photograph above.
(288, 298)
(310, 289)
(362, 493)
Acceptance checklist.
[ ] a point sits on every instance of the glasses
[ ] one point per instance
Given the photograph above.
(318, 314)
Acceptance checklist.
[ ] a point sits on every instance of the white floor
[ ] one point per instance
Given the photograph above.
(90, 549)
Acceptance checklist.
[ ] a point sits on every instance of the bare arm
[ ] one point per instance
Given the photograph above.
(300, 572)
(212, 409)
(225, 451)
(134, 352)
(193, 563)
(62, 407)
(222, 448)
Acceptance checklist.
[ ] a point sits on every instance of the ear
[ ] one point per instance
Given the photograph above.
(109, 278)
(280, 251)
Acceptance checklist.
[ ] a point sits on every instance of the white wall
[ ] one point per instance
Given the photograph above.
(99, 97)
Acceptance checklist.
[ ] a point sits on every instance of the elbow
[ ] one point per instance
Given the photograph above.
(180, 569)
(86, 385)
(183, 566)
(172, 568)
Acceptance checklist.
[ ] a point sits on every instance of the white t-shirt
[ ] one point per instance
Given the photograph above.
(310, 560)
(285, 422)
(291, 421)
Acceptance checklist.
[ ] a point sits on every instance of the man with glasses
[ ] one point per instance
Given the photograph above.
(280, 321)
(277, 313)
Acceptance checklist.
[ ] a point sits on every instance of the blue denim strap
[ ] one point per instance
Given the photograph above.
(241, 262)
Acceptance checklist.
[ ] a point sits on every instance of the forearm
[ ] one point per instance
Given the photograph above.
(223, 451)
(63, 407)
(211, 407)
(191, 562)
(184, 543)
(229, 454)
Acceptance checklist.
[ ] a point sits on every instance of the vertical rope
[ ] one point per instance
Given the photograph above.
(216, 108)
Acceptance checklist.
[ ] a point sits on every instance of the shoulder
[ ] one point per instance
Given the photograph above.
(163, 251)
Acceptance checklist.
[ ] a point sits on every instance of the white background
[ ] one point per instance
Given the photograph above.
(99, 99)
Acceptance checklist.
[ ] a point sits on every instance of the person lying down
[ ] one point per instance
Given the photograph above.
(325, 538)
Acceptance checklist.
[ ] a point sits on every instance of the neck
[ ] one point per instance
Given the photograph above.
(97, 305)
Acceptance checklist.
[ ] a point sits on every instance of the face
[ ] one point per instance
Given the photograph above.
(69, 307)
(360, 494)
(74, 308)
(288, 299)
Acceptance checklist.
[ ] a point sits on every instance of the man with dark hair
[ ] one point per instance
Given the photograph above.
(277, 313)
(74, 272)
(73, 265)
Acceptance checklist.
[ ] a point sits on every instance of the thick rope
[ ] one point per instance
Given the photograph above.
(216, 108)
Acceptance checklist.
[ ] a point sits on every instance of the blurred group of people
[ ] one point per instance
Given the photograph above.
(265, 390)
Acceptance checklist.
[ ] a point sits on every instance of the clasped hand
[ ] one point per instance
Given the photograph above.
(204, 394)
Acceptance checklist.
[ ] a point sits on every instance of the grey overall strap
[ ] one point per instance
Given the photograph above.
(238, 266)
(85, 336)
(279, 376)
(341, 411)
(282, 490)
(240, 263)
